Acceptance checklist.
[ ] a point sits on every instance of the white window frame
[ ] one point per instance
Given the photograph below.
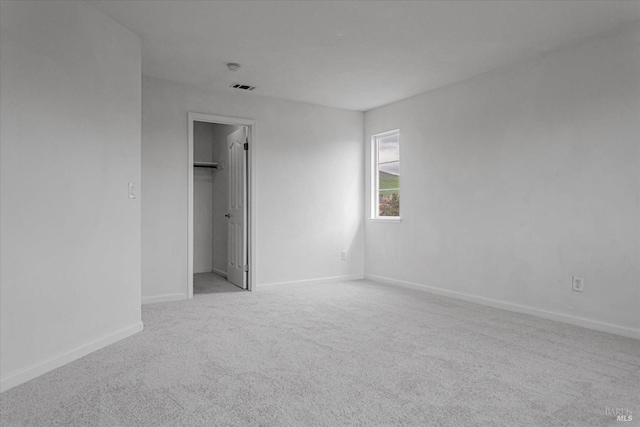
(375, 217)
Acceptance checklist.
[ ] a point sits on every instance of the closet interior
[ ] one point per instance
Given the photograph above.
(210, 210)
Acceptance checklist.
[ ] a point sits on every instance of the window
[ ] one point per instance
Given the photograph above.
(386, 175)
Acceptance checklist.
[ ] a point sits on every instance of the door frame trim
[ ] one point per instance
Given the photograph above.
(251, 193)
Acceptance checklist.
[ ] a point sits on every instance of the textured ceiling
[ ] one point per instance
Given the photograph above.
(352, 54)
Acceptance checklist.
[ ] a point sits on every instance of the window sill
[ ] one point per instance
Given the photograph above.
(392, 220)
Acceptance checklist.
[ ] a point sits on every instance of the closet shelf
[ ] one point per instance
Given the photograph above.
(209, 165)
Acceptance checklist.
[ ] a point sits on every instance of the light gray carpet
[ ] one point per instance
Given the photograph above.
(211, 283)
(338, 354)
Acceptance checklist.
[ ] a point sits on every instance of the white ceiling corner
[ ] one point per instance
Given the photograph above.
(353, 54)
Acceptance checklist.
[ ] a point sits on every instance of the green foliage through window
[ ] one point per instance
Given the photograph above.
(386, 164)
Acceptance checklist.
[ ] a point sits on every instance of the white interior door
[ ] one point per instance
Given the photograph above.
(237, 212)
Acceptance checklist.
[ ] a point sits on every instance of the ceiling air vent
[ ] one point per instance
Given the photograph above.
(242, 86)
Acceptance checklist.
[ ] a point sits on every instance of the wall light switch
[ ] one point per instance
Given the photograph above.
(132, 195)
(343, 255)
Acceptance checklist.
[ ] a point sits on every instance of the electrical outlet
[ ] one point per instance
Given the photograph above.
(578, 284)
(343, 255)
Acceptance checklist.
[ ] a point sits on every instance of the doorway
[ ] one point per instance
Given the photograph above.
(221, 217)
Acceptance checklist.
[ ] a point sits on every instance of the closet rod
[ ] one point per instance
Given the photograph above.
(205, 165)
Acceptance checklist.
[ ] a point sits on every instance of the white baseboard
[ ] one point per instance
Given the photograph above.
(314, 281)
(219, 272)
(211, 270)
(30, 372)
(163, 298)
(518, 308)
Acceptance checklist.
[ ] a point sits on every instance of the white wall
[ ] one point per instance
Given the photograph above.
(309, 180)
(516, 180)
(70, 142)
(202, 198)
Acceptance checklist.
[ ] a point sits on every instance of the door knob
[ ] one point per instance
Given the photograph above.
(228, 216)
